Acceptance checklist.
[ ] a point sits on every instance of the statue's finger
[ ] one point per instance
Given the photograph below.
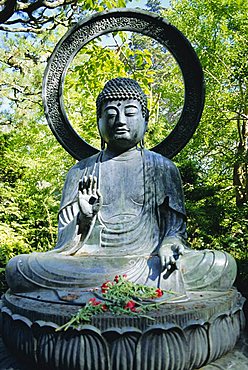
(80, 185)
(83, 183)
(100, 197)
(94, 186)
(82, 192)
(90, 185)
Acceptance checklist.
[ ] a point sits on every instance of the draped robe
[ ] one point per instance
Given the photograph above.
(122, 241)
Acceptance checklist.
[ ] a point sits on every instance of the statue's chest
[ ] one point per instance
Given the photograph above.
(122, 187)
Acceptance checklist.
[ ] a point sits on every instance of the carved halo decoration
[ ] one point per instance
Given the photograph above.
(135, 20)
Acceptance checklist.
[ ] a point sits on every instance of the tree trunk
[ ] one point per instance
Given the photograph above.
(240, 171)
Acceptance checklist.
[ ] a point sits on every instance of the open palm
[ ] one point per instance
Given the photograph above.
(89, 197)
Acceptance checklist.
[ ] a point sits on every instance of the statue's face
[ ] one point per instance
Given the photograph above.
(122, 124)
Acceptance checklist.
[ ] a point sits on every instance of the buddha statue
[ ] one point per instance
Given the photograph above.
(122, 212)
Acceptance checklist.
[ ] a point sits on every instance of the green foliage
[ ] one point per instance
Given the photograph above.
(101, 5)
(32, 169)
(213, 165)
(124, 55)
(214, 221)
(32, 165)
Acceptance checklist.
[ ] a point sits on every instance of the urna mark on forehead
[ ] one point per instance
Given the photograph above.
(122, 89)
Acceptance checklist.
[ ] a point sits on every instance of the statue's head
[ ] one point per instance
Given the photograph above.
(122, 113)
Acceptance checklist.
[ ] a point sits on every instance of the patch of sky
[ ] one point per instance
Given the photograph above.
(142, 4)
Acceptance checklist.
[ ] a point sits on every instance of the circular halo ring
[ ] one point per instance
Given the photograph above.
(135, 20)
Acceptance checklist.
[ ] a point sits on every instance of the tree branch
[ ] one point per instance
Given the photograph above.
(30, 8)
(24, 29)
(25, 15)
(8, 10)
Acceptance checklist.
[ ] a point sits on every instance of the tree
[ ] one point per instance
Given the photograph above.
(218, 30)
(39, 15)
(154, 5)
(214, 164)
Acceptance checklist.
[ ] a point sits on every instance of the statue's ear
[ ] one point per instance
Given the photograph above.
(98, 120)
(147, 118)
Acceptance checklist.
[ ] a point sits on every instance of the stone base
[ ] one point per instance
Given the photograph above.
(234, 360)
(178, 336)
(237, 359)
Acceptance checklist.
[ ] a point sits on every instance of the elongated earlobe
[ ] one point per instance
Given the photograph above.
(142, 144)
(102, 144)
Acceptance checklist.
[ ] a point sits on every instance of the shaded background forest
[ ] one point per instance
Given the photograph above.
(213, 165)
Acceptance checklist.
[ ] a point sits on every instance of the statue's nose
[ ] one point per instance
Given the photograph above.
(121, 119)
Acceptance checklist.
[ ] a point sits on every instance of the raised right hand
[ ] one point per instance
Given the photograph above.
(89, 197)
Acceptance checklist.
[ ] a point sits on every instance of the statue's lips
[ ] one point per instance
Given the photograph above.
(121, 130)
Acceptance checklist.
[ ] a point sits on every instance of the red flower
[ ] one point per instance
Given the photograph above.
(159, 292)
(105, 286)
(130, 305)
(117, 277)
(104, 307)
(94, 302)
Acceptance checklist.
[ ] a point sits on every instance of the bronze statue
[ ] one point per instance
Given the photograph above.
(122, 212)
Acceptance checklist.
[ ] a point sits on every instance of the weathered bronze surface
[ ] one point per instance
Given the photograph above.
(122, 212)
(135, 20)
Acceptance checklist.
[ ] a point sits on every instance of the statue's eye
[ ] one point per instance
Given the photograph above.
(131, 111)
(111, 113)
